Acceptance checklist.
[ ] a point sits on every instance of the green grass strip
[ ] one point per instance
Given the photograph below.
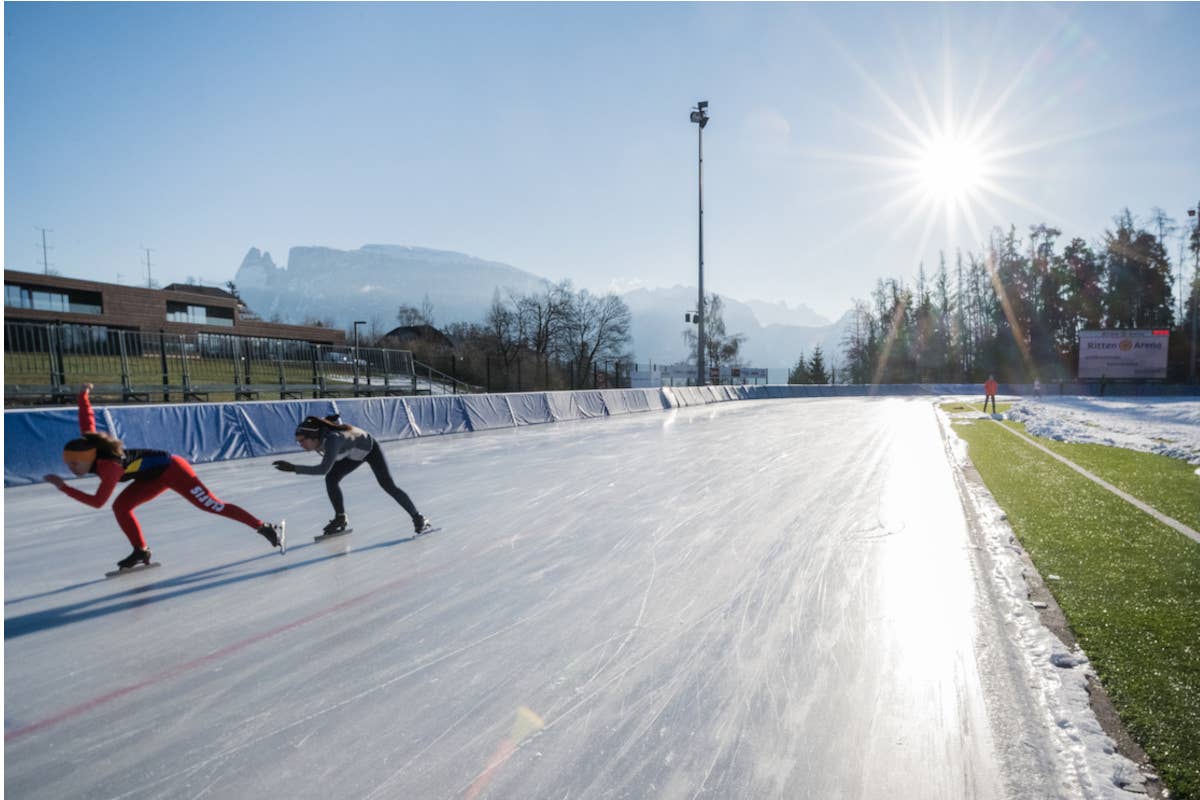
(1130, 586)
(1171, 485)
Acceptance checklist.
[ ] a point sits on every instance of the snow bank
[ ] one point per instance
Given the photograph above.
(1160, 425)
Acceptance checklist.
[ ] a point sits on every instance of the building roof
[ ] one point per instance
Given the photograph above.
(211, 291)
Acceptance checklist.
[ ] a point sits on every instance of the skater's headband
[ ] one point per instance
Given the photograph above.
(309, 428)
(79, 455)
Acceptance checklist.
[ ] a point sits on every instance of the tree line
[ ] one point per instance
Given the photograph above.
(1015, 310)
(558, 338)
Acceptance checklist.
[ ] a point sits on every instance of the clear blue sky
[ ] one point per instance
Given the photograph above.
(556, 137)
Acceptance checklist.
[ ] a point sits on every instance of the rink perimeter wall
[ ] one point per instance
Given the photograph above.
(204, 432)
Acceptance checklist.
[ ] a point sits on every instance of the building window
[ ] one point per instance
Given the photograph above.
(70, 301)
(199, 315)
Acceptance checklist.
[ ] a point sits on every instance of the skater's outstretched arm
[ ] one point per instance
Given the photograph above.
(110, 473)
(320, 469)
(87, 418)
(334, 445)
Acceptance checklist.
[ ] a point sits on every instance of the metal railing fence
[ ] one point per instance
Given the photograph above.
(46, 362)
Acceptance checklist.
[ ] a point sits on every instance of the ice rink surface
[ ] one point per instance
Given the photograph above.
(762, 599)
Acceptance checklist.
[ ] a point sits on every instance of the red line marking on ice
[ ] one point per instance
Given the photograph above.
(95, 702)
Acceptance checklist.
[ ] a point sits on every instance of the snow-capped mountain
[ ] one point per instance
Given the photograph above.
(370, 283)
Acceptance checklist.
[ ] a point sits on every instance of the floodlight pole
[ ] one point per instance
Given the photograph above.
(1194, 213)
(357, 322)
(700, 117)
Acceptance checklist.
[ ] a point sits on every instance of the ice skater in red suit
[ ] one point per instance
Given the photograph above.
(150, 472)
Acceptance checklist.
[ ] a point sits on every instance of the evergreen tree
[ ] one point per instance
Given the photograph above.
(799, 373)
(1138, 293)
(816, 367)
(944, 343)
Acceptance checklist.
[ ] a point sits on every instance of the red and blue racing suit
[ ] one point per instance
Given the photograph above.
(151, 473)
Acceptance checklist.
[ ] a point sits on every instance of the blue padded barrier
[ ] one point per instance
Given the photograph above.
(33, 442)
(196, 432)
(563, 406)
(677, 396)
(637, 400)
(385, 418)
(270, 427)
(614, 402)
(436, 415)
(487, 412)
(532, 408)
(203, 432)
(589, 404)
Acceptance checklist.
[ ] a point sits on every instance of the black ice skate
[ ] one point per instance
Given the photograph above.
(275, 535)
(138, 556)
(136, 561)
(335, 527)
(421, 525)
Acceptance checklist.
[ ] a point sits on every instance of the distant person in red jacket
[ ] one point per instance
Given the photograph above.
(989, 393)
(151, 473)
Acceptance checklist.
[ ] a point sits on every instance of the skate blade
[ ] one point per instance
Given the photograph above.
(131, 570)
(325, 536)
(426, 532)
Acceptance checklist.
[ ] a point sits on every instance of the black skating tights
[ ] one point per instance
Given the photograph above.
(375, 458)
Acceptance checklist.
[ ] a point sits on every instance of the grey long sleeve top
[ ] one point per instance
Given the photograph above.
(354, 444)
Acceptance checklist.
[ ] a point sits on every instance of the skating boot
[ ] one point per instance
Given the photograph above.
(336, 525)
(138, 556)
(273, 533)
(421, 525)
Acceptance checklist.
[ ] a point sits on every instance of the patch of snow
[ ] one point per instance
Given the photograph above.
(1167, 426)
(1059, 674)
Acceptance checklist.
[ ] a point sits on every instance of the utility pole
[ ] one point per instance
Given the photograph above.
(45, 257)
(149, 281)
(700, 117)
(1195, 214)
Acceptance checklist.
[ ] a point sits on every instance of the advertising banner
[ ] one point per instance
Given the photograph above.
(1123, 354)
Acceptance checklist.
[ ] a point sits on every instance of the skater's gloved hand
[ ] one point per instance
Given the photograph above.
(285, 466)
(54, 479)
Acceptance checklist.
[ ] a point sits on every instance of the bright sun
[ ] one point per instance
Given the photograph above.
(946, 169)
(950, 169)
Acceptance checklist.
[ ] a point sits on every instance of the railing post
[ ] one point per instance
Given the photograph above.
(317, 380)
(162, 356)
(282, 378)
(236, 356)
(126, 386)
(249, 357)
(54, 337)
(183, 366)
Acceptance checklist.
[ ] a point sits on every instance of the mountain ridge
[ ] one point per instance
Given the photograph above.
(370, 283)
